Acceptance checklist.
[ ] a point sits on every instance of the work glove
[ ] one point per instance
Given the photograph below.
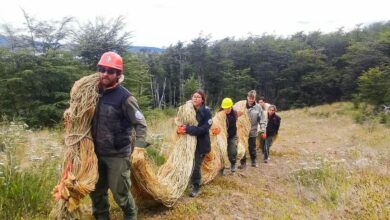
(181, 129)
(215, 131)
(263, 135)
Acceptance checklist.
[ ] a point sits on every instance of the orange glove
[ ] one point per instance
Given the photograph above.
(181, 129)
(263, 136)
(215, 131)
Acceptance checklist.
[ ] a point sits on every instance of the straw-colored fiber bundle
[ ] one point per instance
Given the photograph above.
(165, 183)
(220, 140)
(172, 177)
(214, 160)
(211, 164)
(79, 174)
(243, 128)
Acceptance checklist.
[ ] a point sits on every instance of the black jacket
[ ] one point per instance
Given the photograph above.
(203, 116)
(231, 122)
(273, 125)
(117, 113)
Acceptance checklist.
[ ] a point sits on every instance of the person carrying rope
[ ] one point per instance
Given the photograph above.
(264, 105)
(231, 124)
(203, 145)
(273, 125)
(257, 127)
(264, 108)
(117, 113)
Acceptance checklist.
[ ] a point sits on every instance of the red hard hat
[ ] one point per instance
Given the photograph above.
(111, 59)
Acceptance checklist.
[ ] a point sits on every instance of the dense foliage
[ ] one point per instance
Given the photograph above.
(39, 65)
(302, 70)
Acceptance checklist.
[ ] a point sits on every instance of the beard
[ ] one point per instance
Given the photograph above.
(108, 82)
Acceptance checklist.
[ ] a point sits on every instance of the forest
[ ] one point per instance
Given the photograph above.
(40, 61)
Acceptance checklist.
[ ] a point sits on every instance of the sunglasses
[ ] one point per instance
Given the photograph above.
(110, 71)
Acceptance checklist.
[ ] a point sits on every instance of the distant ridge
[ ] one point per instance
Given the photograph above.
(137, 49)
(3, 40)
(133, 49)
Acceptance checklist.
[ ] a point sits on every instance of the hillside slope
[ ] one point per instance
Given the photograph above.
(323, 166)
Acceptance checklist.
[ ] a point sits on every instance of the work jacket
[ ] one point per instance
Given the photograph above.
(203, 116)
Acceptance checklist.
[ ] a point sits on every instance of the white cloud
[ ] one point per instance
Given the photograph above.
(164, 22)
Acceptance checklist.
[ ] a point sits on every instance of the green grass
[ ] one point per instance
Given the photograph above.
(27, 193)
(190, 209)
(369, 196)
(325, 183)
(155, 116)
(341, 191)
(155, 156)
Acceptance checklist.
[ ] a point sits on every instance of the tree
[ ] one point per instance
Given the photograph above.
(137, 80)
(198, 58)
(46, 35)
(190, 86)
(374, 86)
(36, 87)
(93, 39)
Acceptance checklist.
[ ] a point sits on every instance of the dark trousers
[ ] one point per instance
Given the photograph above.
(262, 143)
(196, 174)
(232, 149)
(114, 174)
(252, 150)
(266, 146)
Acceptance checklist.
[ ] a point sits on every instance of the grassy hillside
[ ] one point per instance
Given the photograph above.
(323, 166)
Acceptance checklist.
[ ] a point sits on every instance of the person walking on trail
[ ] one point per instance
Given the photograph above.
(231, 124)
(272, 129)
(203, 146)
(117, 113)
(258, 125)
(264, 106)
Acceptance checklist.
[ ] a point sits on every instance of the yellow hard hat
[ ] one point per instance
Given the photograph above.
(227, 103)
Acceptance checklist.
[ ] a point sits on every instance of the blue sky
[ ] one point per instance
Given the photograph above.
(161, 23)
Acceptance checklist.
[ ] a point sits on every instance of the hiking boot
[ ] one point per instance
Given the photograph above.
(103, 216)
(233, 168)
(254, 163)
(129, 217)
(195, 191)
(265, 160)
(221, 172)
(242, 166)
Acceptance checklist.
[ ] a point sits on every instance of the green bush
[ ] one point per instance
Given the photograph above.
(385, 119)
(156, 115)
(360, 118)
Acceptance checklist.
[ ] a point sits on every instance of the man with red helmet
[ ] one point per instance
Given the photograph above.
(117, 113)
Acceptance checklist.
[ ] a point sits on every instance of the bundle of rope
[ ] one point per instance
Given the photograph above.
(172, 177)
(214, 160)
(243, 128)
(219, 121)
(79, 171)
